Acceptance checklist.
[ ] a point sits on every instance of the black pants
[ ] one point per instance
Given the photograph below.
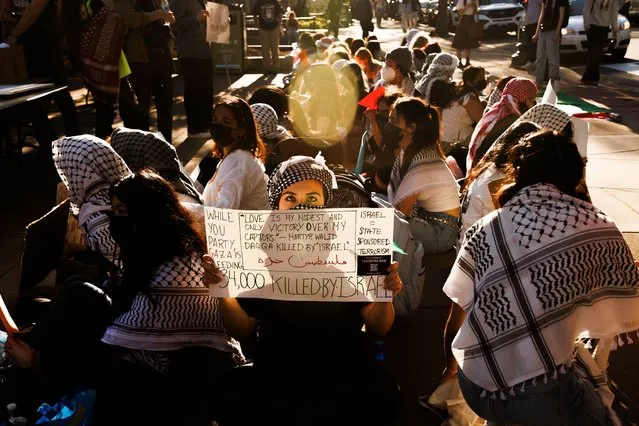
(597, 38)
(198, 93)
(530, 47)
(366, 27)
(46, 62)
(127, 105)
(334, 24)
(146, 81)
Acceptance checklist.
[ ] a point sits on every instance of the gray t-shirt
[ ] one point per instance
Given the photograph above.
(533, 11)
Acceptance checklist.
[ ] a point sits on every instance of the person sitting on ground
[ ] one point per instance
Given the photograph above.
(167, 333)
(421, 184)
(88, 166)
(61, 354)
(323, 45)
(372, 68)
(311, 352)
(357, 44)
(463, 109)
(141, 150)
(376, 50)
(397, 71)
(440, 70)
(338, 55)
(308, 51)
(270, 132)
(277, 99)
(501, 280)
(384, 139)
(495, 95)
(239, 181)
(520, 94)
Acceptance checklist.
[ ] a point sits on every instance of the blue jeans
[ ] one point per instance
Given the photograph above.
(564, 401)
(436, 231)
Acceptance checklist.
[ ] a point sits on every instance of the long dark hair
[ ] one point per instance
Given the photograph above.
(499, 154)
(444, 94)
(251, 141)
(354, 74)
(427, 123)
(273, 96)
(163, 230)
(543, 157)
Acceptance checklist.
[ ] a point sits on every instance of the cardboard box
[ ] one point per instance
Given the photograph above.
(12, 66)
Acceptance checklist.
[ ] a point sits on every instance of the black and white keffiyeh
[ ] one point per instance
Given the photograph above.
(267, 122)
(176, 311)
(441, 69)
(142, 149)
(545, 116)
(533, 277)
(298, 169)
(88, 166)
(412, 182)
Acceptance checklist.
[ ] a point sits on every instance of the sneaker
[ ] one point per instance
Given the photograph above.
(523, 67)
(200, 135)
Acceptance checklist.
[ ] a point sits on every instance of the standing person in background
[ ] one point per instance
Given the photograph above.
(380, 11)
(87, 23)
(548, 39)
(363, 12)
(38, 32)
(405, 14)
(533, 10)
(292, 28)
(148, 48)
(269, 14)
(463, 41)
(334, 11)
(415, 7)
(599, 17)
(197, 65)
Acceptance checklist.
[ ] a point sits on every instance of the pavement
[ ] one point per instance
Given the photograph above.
(414, 347)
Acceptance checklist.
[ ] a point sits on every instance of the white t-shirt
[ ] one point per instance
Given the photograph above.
(456, 122)
(238, 183)
(480, 200)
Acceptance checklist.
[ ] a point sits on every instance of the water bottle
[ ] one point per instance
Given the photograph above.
(379, 352)
(14, 417)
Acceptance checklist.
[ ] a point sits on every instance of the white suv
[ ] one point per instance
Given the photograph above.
(497, 15)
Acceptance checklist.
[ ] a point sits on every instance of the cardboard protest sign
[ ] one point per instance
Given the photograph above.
(311, 255)
(581, 129)
(218, 28)
(550, 96)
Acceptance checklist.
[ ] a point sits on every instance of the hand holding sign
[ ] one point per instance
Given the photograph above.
(393, 282)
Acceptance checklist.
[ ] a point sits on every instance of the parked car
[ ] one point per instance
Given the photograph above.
(497, 15)
(574, 38)
(630, 10)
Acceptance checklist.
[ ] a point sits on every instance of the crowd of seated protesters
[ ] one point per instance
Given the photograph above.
(491, 176)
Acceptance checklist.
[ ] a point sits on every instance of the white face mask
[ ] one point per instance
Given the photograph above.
(388, 74)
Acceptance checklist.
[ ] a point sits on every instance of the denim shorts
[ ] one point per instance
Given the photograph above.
(567, 400)
(436, 231)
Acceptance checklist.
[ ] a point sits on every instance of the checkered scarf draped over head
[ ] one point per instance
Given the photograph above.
(442, 68)
(516, 91)
(142, 149)
(546, 116)
(267, 121)
(88, 166)
(298, 169)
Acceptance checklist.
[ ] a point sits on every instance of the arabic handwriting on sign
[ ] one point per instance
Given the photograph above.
(268, 261)
(319, 262)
